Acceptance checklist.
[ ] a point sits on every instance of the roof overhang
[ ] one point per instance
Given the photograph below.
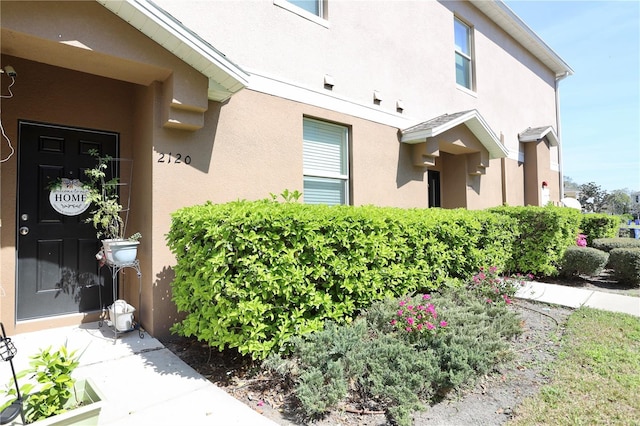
(502, 15)
(225, 78)
(538, 133)
(472, 119)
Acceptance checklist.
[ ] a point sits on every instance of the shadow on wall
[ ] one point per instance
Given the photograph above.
(200, 142)
(166, 313)
(405, 170)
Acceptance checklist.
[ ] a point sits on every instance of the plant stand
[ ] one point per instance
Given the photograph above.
(115, 269)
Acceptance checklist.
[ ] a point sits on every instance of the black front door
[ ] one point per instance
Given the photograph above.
(433, 178)
(57, 272)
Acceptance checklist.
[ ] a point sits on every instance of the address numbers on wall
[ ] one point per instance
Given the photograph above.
(170, 158)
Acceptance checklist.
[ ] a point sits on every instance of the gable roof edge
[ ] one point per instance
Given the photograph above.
(512, 24)
(225, 77)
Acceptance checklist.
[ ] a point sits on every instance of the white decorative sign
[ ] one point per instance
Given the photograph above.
(70, 199)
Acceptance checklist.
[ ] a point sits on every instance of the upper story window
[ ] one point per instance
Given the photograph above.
(464, 54)
(311, 6)
(311, 10)
(325, 163)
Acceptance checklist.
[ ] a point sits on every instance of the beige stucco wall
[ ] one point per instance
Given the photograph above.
(80, 65)
(404, 50)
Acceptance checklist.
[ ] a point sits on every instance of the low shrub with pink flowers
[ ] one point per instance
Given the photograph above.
(417, 315)
(495, 288)
(400, 353)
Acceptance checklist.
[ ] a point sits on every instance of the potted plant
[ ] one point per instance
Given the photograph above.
(51, 396)
(105, 216)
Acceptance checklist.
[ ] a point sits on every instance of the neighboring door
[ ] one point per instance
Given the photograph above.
(57, 272)
(433, 178)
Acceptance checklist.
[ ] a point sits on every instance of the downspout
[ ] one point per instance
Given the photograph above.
(560, 167)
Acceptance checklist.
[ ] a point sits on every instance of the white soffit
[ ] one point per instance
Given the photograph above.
(502, 15)
(472, 119)
(225, 78)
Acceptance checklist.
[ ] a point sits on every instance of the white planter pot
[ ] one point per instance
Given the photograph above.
(86, 414)
(121, 315)
(120, 252)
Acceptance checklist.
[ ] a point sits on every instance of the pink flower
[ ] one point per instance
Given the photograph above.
(410, 307)
(493, 269)
(419, 327)
(481, 276)
(410, 321)
(400, 312)
(426, 297)
(489, 301)
(402, 303)
(408, 328)
(443, 323)
(430, 326)
(394, 322)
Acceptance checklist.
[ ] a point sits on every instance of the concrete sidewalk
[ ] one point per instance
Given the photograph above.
(577, 297)
(143, 382)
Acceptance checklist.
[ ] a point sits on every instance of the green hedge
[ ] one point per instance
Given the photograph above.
(583, 261)
(544, 235)
(626, 264)
(251, 275)
(608, 244)
(596, 226)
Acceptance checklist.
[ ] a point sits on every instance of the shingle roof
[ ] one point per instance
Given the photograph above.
(470, 118)
(532, 134)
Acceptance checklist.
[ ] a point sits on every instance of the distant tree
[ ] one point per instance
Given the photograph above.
(570, 184)
(592, 198)
(618, 202)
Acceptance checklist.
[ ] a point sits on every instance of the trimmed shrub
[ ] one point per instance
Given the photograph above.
(608, 244)
(583, 261)
(389, 363)
(598, 225)
(544, 235)
(625, 263)
(250, 275)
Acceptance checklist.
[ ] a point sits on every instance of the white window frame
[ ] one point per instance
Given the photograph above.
(319, 175)
(466, 56)
(320, 20)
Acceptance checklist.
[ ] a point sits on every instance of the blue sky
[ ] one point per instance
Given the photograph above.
(600, 103)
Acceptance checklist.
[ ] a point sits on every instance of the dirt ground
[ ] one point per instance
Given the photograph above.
(491, 401)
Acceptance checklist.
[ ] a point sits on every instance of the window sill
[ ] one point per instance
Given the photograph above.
(467, 91)
(301, 12)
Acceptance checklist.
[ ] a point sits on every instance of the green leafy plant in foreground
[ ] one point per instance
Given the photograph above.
(49, 386)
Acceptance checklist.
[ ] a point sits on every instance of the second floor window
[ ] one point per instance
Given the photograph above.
(464, 54)
(312, 6)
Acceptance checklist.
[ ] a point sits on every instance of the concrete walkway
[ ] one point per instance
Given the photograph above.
(145, 383)
(577, 297)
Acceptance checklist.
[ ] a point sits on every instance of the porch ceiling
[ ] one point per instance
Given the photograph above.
(472, 119)
(225, 78)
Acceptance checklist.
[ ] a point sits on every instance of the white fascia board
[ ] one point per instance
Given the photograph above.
(505, 18)
(158, 25)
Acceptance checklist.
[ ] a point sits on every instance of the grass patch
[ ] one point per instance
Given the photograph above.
(596, 378)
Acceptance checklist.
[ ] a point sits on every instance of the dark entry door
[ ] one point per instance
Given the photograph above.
(57, 269)
(434, 188)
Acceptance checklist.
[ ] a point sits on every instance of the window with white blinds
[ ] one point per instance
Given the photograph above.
(325, 163)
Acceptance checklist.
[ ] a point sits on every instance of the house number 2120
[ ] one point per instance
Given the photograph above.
(177, 158)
